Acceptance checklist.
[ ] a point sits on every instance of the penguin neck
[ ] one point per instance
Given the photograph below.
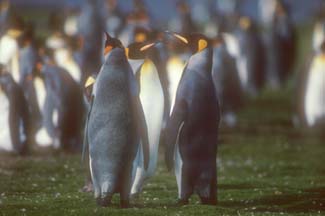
(136, 64)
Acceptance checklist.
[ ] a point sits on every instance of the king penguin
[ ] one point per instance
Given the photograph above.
(114, 127)
(61, 102)
(152, 99)
(14, 119)
(314, 95)
(192, 130)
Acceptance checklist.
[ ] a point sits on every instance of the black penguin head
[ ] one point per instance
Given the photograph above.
(196, 42)
(111, 43)
(138, 50)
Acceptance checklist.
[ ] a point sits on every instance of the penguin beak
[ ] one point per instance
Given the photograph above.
(178, 36)
(147, 46)
(90, 81)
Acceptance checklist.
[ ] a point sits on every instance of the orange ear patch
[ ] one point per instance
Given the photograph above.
(202, 44)
(140, 37)
(107, 49)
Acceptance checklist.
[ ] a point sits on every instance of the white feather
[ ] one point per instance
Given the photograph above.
(5, 139)
(175, 67)
(315, 92)
(232, 44)
(64, 59)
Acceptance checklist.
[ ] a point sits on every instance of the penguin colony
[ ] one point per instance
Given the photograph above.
(121, 94)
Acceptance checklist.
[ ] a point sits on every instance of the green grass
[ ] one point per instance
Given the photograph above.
(265, 167)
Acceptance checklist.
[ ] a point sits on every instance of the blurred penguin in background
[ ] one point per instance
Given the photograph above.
(115, 19)
(4, 15)
(14, 118)
(183, 22)
(227, 14)
(62, 107)
(9, 46)
(226, 82)
(138, 18)
(70, 24)
(59, 43)
(250, 62)
(28, 58)
(311, 91)
(90, 27)
(319, 29)
(280, 45)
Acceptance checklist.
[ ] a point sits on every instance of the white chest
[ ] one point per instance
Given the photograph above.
(5, 139)
(175, 67)
(315, 93)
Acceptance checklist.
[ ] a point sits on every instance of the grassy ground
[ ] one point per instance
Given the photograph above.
(265, 167)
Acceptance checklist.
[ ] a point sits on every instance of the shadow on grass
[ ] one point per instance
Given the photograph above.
(310, 200)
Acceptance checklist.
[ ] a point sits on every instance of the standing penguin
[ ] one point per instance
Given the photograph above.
(114, 127)
(62, 108)
(226, 81)
(313, 96)
(28, 58)
(152, 99)
(250, 62)
(192, 130)
(280, 43)
(14, 122)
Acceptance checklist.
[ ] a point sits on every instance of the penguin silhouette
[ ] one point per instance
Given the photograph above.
(14, 119)
(141, 57)
(115, 126)
(192, 130)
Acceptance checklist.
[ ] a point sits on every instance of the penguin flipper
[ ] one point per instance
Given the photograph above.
(139, 117)
(143, 131)
(85, 141)
(173, 130)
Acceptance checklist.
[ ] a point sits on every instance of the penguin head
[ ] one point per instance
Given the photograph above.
(111, 43)
(195, 42)
(138, 50)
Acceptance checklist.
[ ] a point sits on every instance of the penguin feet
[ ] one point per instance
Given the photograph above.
(208, 201)
(88, 187)
(103, 202)
(124, 203)
(181, 202)
(135, 196)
